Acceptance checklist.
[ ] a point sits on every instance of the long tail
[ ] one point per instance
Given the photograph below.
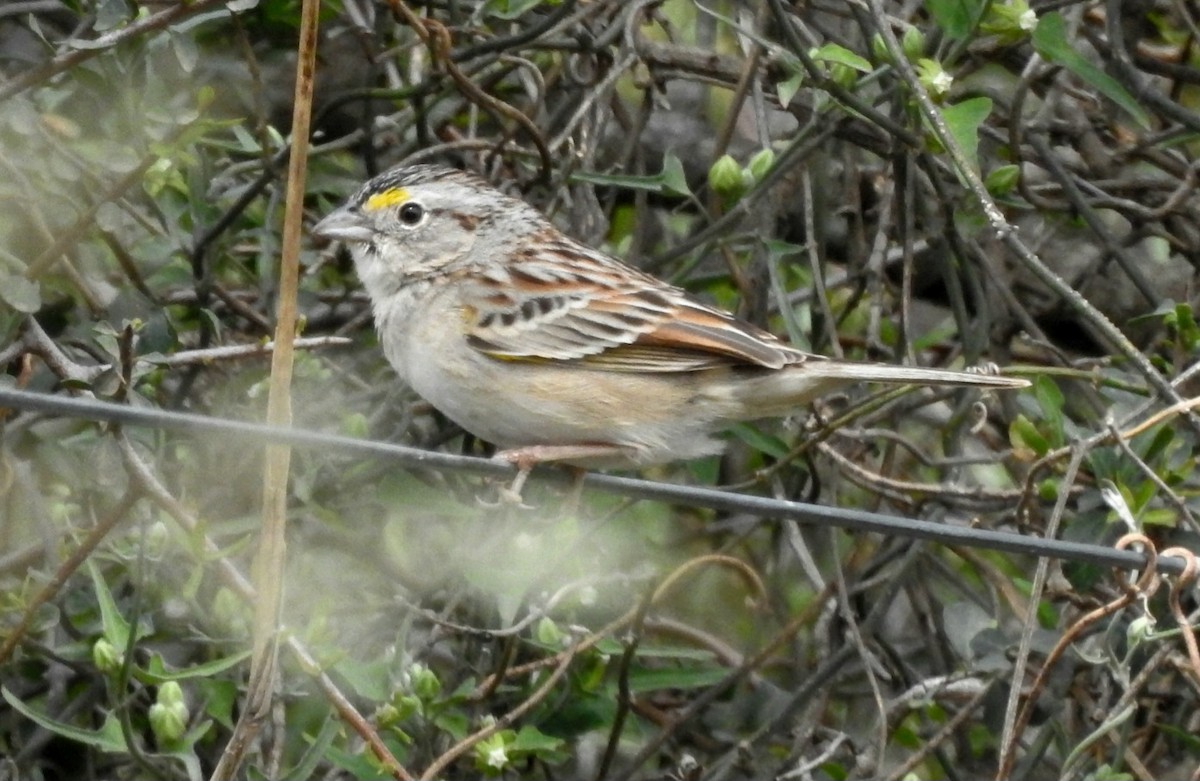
(915, 375)
(780, 392)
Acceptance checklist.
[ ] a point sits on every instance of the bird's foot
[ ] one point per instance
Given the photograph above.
(526, 458)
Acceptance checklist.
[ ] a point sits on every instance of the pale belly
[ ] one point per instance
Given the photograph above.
(514, 404)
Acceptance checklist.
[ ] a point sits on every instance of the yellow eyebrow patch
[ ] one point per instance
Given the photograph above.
(389, 197)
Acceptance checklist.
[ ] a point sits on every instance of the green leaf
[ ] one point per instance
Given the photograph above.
(186, 51)
(672, 678)
(510, 9)
(764, 443)
(1140, 495)
(670, 180)
(777, 251)
(214, 322)
(955, 17)
(157, 672)
(107, 738)
(673, 178)
(1163, 517)
(1050, 41)
(1023, 433)
(787, 89)
(454, 722)
(219, 697)
(1185, 324)
(1050, 399)
(668, 652)
(23, 295)
(963, 120)
(1002, 180)
(530, 740)
(309, 764)
(116, 628)
(760, 165)
(110, 14)
(357, 764)
(1184, 735)
(832, 52)
(367, 679)
(1158, 444)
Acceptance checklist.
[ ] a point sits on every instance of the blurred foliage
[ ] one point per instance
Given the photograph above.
(766, 156)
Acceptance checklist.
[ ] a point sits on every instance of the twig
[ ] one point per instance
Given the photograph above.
(454, 752)
(1145, 587)
(175, 12)
(437, 38)
(1008, 737)
(1004, 231)
(85, 548)
(957, 720)
(269, 560)
(149, 484)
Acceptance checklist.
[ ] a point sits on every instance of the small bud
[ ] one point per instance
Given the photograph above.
(1139, 629)
(387, 714)
(407, 705)
(169, 715)
(168, 724)
(725, 177)
(913, 43)
(106, 657)
(547, 633)
(879, 49)
(424, 682)
(170, 693)
(761, 163)
(1002, 180)
(1011, 22)
(934, 78)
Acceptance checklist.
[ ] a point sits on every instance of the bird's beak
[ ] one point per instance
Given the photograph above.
(346, 224)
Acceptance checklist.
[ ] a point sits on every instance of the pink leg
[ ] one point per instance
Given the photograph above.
(526, 458)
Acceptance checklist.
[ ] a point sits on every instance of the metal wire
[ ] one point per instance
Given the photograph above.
(709, 498)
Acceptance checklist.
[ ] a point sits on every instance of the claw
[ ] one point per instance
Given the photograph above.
(526, 458)
(510, 495)
(506, 498)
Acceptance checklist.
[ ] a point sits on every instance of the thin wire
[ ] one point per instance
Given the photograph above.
(692, 496)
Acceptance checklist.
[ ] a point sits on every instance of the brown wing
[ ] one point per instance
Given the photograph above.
(593, 309)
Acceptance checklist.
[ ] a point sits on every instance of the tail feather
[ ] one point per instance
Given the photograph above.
(916, 375)
(781, 392)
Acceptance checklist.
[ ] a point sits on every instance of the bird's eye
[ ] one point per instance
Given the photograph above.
(411, 214)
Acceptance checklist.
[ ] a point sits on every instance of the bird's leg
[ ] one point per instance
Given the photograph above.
(526, 458)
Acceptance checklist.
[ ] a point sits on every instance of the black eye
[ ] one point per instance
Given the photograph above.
(411, 213)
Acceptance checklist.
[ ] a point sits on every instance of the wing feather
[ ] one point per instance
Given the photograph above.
(592, 309)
